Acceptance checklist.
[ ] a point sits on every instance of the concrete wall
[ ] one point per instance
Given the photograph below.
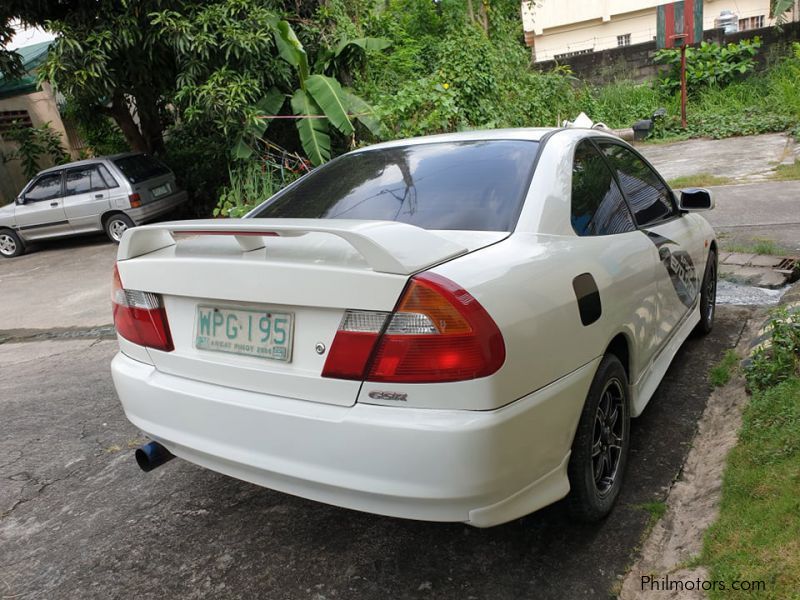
(568, 26)
(635, 62)
(42, 108)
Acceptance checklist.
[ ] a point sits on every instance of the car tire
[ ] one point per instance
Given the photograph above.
(116, 225)
(10, 244)
(600, 447)
(708, 296)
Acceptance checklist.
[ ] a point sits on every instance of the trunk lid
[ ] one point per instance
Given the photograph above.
(291, 279)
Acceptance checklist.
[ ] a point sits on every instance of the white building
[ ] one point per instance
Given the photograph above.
(564, 28)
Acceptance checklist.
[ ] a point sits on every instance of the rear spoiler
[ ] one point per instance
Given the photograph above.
(387, 246)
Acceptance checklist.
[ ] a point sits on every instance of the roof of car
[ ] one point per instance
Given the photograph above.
(533, 134)
(87, 161)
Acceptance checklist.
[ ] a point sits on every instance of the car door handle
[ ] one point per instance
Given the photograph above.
(54, 204)
(98, 195)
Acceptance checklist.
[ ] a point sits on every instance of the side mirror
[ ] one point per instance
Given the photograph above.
(21, 200)
(695, 200)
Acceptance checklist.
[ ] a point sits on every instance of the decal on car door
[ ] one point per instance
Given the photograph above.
(679, 266)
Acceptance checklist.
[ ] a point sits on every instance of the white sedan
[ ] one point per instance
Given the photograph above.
(450, 328)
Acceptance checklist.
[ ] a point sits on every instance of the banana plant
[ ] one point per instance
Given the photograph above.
(318, 103)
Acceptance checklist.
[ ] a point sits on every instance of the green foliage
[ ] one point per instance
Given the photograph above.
(318, 103)
(709, 64)
(97, 130)
(620, 104)
(199, 159)
(251, 184)
(779, 360)
(226, 57)
(443, 72)
(755, 537)
(756, 246)
(763, 102)
(787, 172)
(779, 8)
(10, 63)
(34, 144)
(109, 56)
(723, 371)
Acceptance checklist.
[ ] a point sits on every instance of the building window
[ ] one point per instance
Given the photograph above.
(751, 23)
(9, 119)
(624, 40)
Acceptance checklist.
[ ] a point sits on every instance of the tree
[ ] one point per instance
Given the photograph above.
(779, 8)
(109, 56)
(238, 61)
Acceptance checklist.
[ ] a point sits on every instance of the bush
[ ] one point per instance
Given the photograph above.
(251, 184)
(198, 155)
(779, 360)
(445, 73)
(708, 64)
(34, 144)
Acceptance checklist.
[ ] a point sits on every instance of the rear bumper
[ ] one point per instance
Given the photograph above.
(479, 467)
(155, 209)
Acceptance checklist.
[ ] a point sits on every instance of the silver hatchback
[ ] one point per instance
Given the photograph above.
(110, 193)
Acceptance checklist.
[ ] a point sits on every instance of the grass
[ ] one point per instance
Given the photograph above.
(757, 246)
(722, 372)
(787, 172)
(698, 180)
(757, 534)
(656, 510)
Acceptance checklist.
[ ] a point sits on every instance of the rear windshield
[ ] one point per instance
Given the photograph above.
(477, 186)
(140, 167)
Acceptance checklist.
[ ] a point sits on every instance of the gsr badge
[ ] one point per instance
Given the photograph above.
(396, 396)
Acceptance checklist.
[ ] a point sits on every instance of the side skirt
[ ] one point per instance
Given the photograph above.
(644, 389)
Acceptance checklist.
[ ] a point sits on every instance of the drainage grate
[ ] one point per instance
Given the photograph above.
(787, 265)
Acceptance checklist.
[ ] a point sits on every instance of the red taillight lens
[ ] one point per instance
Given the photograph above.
(353, 344)
(140, 317)
(135, 200)
(437, 333)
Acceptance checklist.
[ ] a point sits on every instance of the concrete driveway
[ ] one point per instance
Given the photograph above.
(754, 207)
(59, 285)
(78, 519)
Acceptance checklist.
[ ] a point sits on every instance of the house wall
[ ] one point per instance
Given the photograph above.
(569, 26)
(635, 63)
(42, 108)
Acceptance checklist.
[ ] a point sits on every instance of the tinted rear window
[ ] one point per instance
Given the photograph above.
(140, 167)
(476, 186)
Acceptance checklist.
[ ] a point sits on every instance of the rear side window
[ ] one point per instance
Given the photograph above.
(140, 167)
(648, 197)
(107, 177)
(478, 186)
(598, 207)
(83, 180)
(46, 187)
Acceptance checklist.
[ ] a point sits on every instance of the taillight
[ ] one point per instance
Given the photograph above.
(438, 332)
(140, 317)
(135, 200)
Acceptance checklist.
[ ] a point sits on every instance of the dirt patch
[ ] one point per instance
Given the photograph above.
(693, 500)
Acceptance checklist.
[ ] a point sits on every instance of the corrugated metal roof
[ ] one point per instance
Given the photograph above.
(32, 56)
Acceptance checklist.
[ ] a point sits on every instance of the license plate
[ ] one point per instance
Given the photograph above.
(265, 334)
(160, 190)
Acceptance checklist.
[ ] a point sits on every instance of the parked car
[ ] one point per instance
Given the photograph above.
(450, 328)
(108, 194)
